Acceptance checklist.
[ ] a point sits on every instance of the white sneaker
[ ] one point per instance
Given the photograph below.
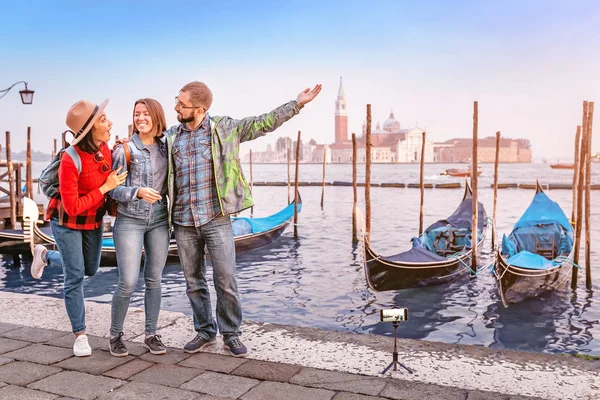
(38, 263)
(82, 348)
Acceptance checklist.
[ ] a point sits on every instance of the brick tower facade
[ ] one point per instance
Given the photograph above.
(341, 117)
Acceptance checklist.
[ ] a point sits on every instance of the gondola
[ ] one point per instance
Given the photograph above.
(537, 256)
(441, 254)
(249, 233)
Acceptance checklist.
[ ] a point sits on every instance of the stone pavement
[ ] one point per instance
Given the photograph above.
(36, 362)
(39, 364)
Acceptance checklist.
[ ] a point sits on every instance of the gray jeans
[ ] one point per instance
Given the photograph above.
(217, 236)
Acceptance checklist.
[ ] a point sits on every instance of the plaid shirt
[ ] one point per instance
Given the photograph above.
(80, 197)
(196, 199)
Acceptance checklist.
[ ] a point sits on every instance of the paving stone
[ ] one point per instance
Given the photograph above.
(267, 371)
(5, 360)
(96, 364)
(148, 391)
(171, 357)
(277, 390)
(136, 349)
(19, 393)
(213, 362)
(34, 335)
(77, 384)
(125, 371)
(524, 398)
(4, 327)
(406, 390)
(167, 375)
(339, 381)
(96, 343)
(7, 345)
(41, 354)
(479, 395)
(67, 340)
(217, 384)
(353, 396)
(23, 373)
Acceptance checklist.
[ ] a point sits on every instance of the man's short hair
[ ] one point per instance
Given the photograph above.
(200, 94)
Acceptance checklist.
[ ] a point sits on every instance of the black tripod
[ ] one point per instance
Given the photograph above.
(395, 361)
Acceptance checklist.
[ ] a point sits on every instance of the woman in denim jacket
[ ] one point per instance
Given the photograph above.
(142, 222)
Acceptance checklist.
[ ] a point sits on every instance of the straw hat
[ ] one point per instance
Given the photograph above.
(81, 118)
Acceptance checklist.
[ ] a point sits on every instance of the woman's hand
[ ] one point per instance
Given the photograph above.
(148, 194)
(113, 180)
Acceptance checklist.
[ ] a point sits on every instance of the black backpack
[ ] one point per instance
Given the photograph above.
(48, 180)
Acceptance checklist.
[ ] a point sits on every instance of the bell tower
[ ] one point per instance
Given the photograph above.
(341, 116)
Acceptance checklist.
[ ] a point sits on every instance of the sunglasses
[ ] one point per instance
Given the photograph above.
(99, 158)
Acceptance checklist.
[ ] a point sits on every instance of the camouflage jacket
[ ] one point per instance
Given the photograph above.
(226, 135)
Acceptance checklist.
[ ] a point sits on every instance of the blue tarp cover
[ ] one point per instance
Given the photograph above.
(543, 210)
(462, 217)
(525, 259)
(543, 223)
(257, 225)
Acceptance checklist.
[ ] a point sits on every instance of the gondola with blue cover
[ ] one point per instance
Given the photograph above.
(537, 256)
(440, 255)
(249, 233)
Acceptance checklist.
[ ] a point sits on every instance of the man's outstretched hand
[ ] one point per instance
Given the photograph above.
(308, 95)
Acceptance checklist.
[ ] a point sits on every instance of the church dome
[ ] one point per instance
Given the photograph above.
(391, 124)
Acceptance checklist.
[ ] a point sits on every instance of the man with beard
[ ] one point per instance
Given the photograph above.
(206, 186)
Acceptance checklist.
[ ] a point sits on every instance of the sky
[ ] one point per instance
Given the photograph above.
(528, 63)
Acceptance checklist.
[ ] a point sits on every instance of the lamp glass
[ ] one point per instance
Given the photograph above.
(26, 96)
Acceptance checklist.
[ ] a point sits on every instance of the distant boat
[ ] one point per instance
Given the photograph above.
(562, 166)
(460, 172)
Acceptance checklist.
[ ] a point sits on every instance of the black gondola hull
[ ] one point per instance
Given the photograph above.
(382, 274)
(517, 284)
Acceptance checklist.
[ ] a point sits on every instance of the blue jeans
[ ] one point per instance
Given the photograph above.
(131, 235)
(80, 252)
(217, 235)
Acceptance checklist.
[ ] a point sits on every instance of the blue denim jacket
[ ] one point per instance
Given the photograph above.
(140, 175)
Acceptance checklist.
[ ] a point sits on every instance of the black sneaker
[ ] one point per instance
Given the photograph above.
(117, 347)
(198, 343)
(236, 348)
(155, 345)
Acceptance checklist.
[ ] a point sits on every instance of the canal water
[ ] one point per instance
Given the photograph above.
(318, 281)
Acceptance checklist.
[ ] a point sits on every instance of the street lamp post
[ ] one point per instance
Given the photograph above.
(26, 94)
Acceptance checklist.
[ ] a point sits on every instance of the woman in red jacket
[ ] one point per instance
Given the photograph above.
(76, 213)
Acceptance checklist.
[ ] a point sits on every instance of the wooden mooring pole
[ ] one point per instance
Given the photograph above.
(422, 183)
(63, 139)
(323, 183)
(11, 184)
(354, 191)
(296, 188)
(28, 172)
(289, 155)
(583, 154)
(496, 162)
(55, 150)
(474, 223)
(575, 176)
(368, 174)
(251, 184)
(588, 183)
